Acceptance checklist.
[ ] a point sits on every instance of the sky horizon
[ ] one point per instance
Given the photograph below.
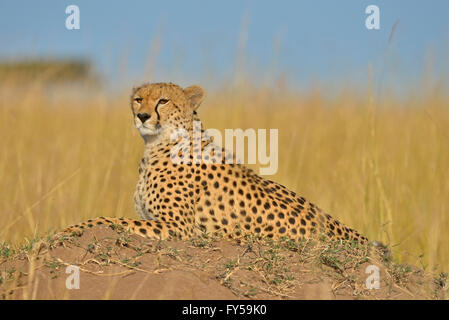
(204, 41)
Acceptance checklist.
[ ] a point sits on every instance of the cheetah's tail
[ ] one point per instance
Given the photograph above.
(145, 228)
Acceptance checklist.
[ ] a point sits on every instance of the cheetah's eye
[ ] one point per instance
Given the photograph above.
(163, 101)
(138, 100)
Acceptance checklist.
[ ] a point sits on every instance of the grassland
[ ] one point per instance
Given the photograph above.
(381, 167)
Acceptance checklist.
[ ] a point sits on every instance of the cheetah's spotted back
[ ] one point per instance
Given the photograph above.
(184, 199)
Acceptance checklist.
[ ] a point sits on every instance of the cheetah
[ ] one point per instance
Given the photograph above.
(182, 200)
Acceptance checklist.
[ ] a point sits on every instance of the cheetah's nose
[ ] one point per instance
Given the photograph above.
(143, 117)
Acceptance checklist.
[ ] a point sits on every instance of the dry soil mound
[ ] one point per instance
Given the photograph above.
(117, 265)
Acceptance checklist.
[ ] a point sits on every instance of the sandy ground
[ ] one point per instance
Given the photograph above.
(116, 265)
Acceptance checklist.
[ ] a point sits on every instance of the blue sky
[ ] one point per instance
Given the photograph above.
(317, 40)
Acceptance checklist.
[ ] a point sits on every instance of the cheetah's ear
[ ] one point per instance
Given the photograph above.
(195, 95)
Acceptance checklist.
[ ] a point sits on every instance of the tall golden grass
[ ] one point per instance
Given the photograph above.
(380, 168)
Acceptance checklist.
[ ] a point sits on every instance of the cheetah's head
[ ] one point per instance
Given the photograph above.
(157, 107)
